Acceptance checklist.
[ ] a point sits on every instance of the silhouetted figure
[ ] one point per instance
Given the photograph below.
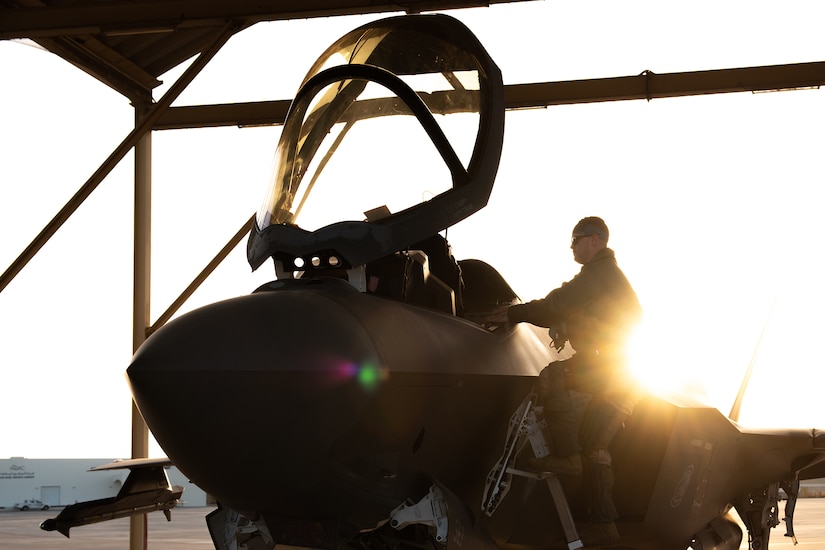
(595, 311)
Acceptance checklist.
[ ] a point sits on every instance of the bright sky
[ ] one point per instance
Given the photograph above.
(713, 204)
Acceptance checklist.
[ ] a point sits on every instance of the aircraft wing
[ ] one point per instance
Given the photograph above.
(816, 471)
(145, 490)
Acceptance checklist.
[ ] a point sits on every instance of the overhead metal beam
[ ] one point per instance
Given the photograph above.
(260, 113)
(646, 85)
(649, 85)
(105, 64)
(148, 16)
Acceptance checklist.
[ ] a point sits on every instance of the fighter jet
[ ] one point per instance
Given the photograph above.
(358, 400)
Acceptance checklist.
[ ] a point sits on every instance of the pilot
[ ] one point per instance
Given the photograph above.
(588, 397)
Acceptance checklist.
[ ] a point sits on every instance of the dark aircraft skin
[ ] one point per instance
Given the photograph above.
(330, 402)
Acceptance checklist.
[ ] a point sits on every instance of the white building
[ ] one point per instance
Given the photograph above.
(62, 481)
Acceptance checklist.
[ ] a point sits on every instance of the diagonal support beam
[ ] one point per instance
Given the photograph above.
(210, 267)
(141, 128)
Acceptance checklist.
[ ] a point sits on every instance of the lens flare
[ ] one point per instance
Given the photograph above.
(367, 375)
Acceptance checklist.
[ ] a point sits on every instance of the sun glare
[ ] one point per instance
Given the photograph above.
(675, 352)
(654, 366)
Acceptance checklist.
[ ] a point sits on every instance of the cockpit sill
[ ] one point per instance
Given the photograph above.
(425, 275)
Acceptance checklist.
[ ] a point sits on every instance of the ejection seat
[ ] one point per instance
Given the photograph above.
(426, 274)
(483, 290)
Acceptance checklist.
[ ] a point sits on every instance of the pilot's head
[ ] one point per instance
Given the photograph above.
(589, 236)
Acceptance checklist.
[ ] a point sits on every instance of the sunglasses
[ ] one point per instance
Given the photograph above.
(577, 238)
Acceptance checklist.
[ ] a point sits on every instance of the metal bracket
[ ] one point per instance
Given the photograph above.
(524, 423)
(430, 510)
(759, 513)
(791, 488)
(534, 430)
(232, 531)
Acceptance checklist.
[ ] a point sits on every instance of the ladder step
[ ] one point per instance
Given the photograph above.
(565, 517)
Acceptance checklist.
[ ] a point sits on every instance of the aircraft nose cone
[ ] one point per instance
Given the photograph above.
(227, 388)
(296, 328)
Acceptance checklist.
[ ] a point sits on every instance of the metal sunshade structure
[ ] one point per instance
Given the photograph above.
(128, 44)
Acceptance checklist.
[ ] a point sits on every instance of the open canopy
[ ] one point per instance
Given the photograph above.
(388, 141)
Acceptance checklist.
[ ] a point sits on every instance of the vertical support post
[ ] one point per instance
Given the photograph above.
(146, 113)
(141, 296)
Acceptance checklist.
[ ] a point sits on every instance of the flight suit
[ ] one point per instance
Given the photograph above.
(598, 308)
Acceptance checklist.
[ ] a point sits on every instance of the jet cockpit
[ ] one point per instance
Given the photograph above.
(394, 135)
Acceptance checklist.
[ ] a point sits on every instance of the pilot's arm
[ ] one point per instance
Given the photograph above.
(563, 302)
(557, 306)
(497, 317)
(537, 312)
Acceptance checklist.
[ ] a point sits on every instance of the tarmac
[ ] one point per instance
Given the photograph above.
(808, 523)
(187, 531)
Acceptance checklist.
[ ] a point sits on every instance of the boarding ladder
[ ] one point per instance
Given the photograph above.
(526, 426)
